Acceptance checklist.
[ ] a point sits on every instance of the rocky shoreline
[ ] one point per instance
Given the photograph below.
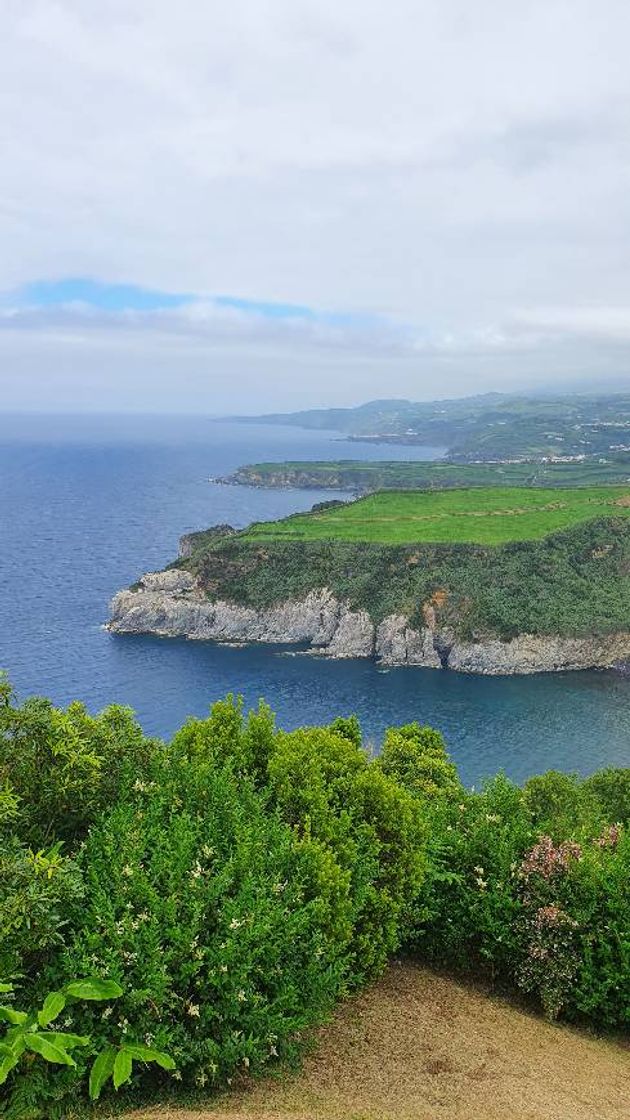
(170, 604)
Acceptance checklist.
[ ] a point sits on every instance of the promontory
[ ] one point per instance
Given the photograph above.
(489, 580)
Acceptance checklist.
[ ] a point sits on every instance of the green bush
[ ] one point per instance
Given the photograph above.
(220, 926)
(36, 889)
(467, 916)
(416, 758)
(64, 767)
(324, 785)
(240, 880)
(533, 886)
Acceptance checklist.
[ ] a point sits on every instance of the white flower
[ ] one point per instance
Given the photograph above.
(223, 968)
(127, 870)
(193, 1010)
(246, 1062)
(240, 995)
(235, 924)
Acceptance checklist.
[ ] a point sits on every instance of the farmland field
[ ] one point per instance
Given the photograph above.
(364, 475)
(489, 516)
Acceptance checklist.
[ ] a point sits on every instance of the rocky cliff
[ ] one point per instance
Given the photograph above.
(171, 604)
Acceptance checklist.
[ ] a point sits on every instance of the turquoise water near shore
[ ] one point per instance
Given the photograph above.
(87, 504)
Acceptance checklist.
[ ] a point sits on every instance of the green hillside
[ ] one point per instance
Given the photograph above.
(488, 516)
(491, 427)
(359, 475)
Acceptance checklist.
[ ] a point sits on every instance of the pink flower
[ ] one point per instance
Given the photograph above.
(546, 859)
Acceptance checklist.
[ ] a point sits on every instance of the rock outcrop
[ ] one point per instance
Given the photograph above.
(170, 604)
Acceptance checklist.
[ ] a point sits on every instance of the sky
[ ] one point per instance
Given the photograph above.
(255, 206)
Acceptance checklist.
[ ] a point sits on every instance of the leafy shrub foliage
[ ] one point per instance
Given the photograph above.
(533, 885)
(239, 881)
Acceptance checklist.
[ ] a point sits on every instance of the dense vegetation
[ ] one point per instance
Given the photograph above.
(488, 427)
(236, 882)
(488, 516)
(364, 476)
(573, 582)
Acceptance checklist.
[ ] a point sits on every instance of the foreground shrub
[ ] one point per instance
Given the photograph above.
(36, 891)
(219, 925)
(468, 915)
(240, 880)
(63, 767)
(324, 785)
(542, 911)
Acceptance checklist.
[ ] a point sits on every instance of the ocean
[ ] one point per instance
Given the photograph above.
(89, 503)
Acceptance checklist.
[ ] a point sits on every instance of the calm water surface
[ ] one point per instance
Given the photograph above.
(88, 504)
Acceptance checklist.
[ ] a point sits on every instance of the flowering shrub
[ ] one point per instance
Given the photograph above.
(240, 880)
(550, 949)
(548, 860)
(467, 916)
(549, 916)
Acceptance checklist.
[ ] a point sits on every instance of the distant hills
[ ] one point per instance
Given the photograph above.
(491, 427)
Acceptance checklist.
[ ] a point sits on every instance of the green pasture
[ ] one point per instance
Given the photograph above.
(488, 516)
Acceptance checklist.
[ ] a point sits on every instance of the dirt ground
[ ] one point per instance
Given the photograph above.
(422, 1046)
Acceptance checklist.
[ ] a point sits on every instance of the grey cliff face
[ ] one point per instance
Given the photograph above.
(171, 605)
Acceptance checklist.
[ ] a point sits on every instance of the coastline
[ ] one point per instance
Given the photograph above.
(170, 604)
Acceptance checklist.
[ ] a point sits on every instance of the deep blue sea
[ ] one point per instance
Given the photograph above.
(87, 504)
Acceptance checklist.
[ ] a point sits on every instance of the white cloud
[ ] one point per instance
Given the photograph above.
(438, 166)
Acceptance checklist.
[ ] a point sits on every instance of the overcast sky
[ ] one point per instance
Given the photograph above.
(233, 207)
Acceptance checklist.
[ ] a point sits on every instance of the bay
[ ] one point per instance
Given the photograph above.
(89, 503)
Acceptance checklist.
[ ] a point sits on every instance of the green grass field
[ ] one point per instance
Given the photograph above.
(351, 474)
(490, 516)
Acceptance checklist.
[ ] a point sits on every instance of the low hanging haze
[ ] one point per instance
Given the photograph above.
(254, 206)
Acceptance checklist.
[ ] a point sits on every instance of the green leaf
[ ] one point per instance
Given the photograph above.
(122, 1067)
(148, 1054)
(8, 1062)
(9, 1015)
(94, 989)
(64, 1040)
(53, 1006)
(11, 1059)
(4, 988)
(48, 1050)
(101, 1070)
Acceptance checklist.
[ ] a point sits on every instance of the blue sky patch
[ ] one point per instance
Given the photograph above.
(95, 293)
(103, 296)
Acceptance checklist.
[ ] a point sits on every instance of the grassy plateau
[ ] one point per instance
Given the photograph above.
(489, 516)
(366, 476)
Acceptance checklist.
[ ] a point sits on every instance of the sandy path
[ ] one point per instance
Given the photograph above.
(422, 1046)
